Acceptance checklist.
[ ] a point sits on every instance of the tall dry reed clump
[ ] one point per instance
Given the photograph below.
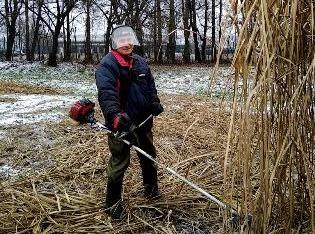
(272, 170)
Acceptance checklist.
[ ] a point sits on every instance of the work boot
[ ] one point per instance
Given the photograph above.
(152, 192)
(116, 211)
(113, 204)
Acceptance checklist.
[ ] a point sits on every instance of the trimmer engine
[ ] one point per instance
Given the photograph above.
(82, 111)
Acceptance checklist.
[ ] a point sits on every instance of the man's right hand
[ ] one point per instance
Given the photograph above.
(121, 122)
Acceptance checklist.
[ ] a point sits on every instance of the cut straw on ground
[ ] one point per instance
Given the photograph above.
(63, 175)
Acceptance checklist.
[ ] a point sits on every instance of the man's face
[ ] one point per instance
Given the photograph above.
(126, 50)
(125, 45)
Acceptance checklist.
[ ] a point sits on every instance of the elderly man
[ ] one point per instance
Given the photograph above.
(127, 96)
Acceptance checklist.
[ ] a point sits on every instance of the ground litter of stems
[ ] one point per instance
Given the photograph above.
(53, 173)
(61, 176)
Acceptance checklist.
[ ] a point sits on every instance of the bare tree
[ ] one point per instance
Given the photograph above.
(54, 18)
(146, 17)
(114, 14)
(135, 10)
(11, 12)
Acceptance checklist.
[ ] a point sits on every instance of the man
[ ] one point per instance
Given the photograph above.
(127, 96)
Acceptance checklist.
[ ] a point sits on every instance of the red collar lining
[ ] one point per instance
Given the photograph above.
(121, 60)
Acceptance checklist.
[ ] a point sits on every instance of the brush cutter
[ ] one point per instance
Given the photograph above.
(83, 112)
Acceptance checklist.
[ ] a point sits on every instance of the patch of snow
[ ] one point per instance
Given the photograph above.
(79, 79)
(27, 103)
(32, 108)
(26, 67)
(7, 171)
(70, 77)
(176, 107)
(19, 66)
(169, 141)
(2, 134)
(29, 118)
(192, 80)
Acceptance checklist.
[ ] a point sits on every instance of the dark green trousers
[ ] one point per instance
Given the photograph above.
(120, 160)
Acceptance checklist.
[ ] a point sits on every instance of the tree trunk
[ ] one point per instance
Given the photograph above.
(38, 48)
(19, 35)
(171, 46)
(27, 33)
(75, 44)
(10, 43)
(67, 44)
(186, 11)
(220, 26)
(159, 31)
(10, 16)
(155, 44)
(107, 37)
(109, 27)
(64, 43)
(205, 29)
(195, 30)
(139, 49)
(136, 21)
(88, 54)
(113, 17)
(213, 47)
(52, 60)
(36, 31)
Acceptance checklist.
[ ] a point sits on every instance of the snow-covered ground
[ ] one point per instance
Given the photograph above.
(76, 81)
(23, 109)
(71, 78)
(191, 80)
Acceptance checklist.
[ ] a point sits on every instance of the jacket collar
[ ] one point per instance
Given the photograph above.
(124, 61)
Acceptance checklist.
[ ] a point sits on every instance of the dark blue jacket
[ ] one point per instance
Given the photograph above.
(125, 89)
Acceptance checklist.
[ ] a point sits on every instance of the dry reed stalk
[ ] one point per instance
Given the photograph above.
(277, 132)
